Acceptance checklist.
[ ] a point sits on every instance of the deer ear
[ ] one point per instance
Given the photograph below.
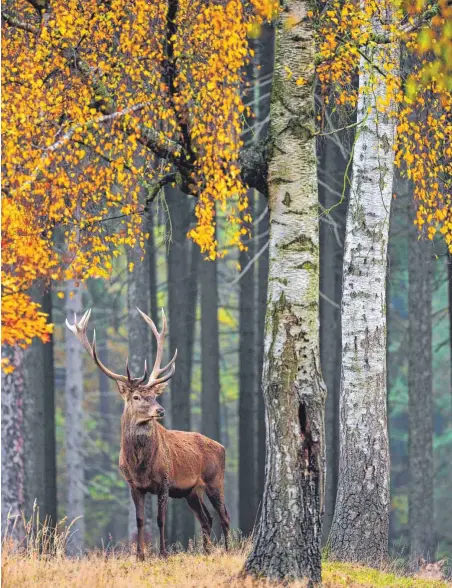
(123, 389)
(159, 388)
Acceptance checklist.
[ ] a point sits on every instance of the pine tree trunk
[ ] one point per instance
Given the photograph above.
(287, 539)
(265, 58)
(331, 181)
(138, 344)
(179, 323)
(210, 360)
(34, 454)
(262, 287)
(50, 487)
(74, 394)
(360, 526)
(420, 394)
(13, 472)
(247, 391)
(39, 418)
(210, 352)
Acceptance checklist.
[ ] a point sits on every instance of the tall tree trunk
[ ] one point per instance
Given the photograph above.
(210, 352)
(210, 360)
(50, 487)
(332, 229)
(138, 345)
(262, 287)
(287, 539)
(179, 324)
(449, 274)
(13, 473)
(74, 394)
(420, 393)
(360, 526)
(264, 57)
(247, 391)
(152, 262)
(39, 421)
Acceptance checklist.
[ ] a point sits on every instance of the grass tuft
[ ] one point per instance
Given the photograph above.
(40, 560)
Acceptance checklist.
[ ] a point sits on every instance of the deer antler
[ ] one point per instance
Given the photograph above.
(157, 370)
(79, 330)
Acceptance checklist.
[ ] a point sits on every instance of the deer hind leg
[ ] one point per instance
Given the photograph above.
(216, 497)
(161, 517)
(204, 517)
(138, 498)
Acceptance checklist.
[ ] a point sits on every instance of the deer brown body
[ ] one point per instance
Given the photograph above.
(158, 461)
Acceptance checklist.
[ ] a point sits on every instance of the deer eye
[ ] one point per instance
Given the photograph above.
(136, 398)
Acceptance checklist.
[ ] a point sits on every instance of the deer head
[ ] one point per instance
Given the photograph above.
(140, 396)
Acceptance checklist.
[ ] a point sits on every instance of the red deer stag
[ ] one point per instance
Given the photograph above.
(152, 459)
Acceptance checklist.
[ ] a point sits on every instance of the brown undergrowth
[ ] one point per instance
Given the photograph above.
(31, 566)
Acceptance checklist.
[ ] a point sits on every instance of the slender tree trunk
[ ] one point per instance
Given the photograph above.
(152, 261)
(449, 274)
(262, 287)
(287, 539)
(247, 391)
(420, 393)
(332, 229)
(13, 472)
(138, 344)
(210, 352)
(210, 360)
(178, 310)
(39, 420)
(34, 454)
(360, 526)
(74, 394)
(264, 58)
(50, 487)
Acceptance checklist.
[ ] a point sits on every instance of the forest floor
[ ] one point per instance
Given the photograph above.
(181, 570)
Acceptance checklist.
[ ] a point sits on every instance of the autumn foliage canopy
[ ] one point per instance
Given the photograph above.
(104, 103)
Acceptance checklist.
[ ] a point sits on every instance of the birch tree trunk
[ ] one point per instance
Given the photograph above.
(361, 518)
(287, 539)
(420, 393)
(74, 394)
(13, 474)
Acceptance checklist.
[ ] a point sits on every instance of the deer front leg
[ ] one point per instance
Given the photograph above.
(138, 499)
(161, 518)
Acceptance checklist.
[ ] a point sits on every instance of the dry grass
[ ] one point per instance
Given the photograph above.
(179, 570)
(32, 566)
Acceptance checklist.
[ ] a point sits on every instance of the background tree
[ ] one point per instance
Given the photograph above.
(75, 449)
(420, 382)
(247, 389)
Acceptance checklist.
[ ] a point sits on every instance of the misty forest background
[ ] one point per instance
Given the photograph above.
(216, 319)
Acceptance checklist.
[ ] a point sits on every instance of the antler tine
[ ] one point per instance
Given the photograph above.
(169, 375)
(127, 370)
(150, 322)
(145, 375)
(79, 330)
(160, 337)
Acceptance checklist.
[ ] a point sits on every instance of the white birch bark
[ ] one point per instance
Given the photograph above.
(74, 394)
(13, 474)
(361, 519)
(287, 539)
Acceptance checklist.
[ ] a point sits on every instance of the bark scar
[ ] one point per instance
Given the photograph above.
(309, 447)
